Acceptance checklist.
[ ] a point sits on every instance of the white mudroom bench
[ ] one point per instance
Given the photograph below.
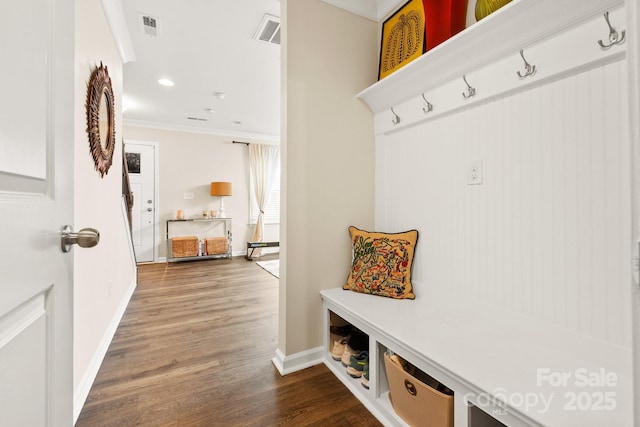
(522, 372)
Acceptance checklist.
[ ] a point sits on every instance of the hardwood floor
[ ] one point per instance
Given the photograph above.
(194, 348)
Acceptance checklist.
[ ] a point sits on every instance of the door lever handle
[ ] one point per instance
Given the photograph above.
(85, 238)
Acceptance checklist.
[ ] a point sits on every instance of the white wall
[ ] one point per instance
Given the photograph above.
(104, 275)
(189, 162)
(547, 234)
(329, 55)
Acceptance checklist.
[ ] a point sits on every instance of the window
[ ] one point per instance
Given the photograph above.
(272, 210)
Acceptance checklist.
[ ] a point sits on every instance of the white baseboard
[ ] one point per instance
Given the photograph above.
(298, 361)
(84, 387)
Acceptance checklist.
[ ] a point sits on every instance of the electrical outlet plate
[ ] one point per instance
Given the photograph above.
(474, 172)
(188, 195)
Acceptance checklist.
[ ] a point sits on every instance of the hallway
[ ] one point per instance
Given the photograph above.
(194, 349)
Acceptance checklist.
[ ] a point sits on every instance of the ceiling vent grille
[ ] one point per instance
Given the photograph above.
(149, 25)
(269, 30)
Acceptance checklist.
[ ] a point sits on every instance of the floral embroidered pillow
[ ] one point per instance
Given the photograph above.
(382, 263)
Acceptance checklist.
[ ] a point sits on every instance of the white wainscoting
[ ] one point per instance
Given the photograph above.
(548, 233)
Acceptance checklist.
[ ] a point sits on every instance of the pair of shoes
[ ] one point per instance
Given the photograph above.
(338, 348)
(356, 343)
(339, 336)
(365, 376)
(358, 363)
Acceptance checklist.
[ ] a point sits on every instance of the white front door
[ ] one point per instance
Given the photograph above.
(36, 199)
(141, 161)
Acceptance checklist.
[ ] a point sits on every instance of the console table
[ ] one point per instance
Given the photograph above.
(202, 228)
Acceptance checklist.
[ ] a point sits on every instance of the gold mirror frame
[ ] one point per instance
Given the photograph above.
(100, 97)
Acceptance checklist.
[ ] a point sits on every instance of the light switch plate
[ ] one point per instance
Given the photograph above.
(188, 195)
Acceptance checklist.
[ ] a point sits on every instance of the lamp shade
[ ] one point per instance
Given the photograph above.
(221, 189)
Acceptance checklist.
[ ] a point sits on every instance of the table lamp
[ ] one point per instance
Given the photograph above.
(221, 189)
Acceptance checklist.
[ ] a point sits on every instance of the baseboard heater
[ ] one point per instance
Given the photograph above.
(252, 246)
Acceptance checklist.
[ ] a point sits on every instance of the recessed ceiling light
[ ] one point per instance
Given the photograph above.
(209, 110)
(165, 82)
(237, 122)
(220, 95)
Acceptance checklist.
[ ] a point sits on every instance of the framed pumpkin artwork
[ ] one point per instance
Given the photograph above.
(403, 38)
(415, 28)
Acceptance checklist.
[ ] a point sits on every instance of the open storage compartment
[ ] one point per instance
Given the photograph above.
(349, 350)
(377, 397)
(479, 418)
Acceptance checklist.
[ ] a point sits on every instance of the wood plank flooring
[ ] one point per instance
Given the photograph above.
(194, 348)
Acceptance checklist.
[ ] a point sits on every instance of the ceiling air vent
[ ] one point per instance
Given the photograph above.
(149, 25)
(198, 119)
(269, 30)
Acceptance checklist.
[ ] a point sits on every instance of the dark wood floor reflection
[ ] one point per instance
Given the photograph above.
(194, 348)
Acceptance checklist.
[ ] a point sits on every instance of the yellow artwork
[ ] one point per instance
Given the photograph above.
(485, 8)
(403, 38)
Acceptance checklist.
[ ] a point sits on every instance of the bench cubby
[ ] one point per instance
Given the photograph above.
(479, 418)
(490, 358)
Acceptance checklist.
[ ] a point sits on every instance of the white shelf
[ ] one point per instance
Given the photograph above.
(515, 26)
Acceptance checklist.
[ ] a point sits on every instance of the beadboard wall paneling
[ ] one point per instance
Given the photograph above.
(547, 234)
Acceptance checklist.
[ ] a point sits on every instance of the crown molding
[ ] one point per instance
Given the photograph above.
(202, 131)
(375, 10)
(365, 8)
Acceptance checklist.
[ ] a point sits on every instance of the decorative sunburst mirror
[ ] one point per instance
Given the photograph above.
(100, 119)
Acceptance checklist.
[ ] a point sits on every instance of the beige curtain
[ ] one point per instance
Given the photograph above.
(265, 165)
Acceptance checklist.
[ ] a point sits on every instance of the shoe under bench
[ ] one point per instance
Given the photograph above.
(501, 366)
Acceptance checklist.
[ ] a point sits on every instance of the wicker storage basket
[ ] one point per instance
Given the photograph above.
(184, 246)
(216, 245)
(416, 402)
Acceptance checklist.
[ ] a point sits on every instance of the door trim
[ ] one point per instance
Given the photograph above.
(156, 190)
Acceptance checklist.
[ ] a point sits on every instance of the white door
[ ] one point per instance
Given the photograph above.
(141, 161)
(36, 199)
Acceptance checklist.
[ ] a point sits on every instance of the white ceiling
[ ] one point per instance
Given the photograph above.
(207, 46)
(204, 46)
